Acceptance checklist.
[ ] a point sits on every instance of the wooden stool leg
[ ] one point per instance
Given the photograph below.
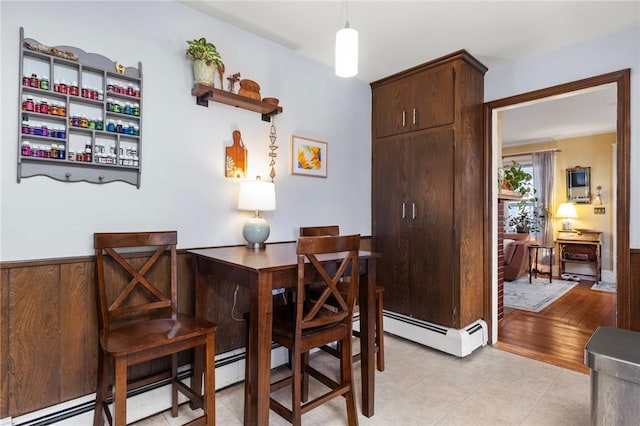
(210, 381)
(174, 386)
(346, 376)
(379, 333)
(305, 377)
(120, 393)
(101, 389)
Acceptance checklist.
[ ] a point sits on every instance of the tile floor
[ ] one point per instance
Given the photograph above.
(421, 386)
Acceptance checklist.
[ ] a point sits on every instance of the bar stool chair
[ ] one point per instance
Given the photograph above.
(139, 321)
(334, 230)
(308, 324)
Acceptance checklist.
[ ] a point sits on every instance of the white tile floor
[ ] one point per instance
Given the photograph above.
(421, 386)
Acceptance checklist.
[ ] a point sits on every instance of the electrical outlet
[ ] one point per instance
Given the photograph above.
(598, 210)
(277, 291)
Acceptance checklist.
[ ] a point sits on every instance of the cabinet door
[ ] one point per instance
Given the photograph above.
(390, 183)
(431, 235)
(432, 98)
(389, 102)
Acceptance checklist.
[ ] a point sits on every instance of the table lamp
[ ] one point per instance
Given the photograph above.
(256, 196)
(566, 211)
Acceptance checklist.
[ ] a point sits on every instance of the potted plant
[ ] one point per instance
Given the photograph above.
(205, 59)
(514, 178)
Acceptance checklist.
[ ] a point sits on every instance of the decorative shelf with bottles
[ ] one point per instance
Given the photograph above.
(80, 116)
(204, 94)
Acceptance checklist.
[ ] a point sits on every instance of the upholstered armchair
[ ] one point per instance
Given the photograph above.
(516, 258)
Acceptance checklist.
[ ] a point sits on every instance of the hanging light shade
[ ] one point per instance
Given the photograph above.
(346, 52)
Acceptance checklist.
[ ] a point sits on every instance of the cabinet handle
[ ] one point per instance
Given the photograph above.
(414, 209)
(67, 175)
(404, 118)
(404, 210)
(414, 116)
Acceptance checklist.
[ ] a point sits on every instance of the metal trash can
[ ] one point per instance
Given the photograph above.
(613, 355)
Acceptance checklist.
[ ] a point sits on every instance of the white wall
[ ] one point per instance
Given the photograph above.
(601, 55)
(183, 185)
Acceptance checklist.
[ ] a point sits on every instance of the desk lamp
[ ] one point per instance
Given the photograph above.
(567, 211)
(256, 196)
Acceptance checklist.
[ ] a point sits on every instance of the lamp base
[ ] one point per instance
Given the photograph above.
(256, 231)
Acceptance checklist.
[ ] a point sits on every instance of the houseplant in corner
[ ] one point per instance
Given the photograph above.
(206, 60)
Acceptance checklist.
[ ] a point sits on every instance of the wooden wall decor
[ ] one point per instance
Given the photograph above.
(236, 158)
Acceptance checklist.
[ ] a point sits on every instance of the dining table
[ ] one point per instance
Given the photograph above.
(261, 272)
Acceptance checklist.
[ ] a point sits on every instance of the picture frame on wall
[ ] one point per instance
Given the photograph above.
(309, 157)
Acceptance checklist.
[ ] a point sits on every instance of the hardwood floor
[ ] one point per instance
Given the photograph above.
(558, 333)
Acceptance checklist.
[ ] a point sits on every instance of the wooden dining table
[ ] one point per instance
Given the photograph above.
(261, 271)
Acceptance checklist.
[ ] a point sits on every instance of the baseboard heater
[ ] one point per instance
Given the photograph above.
(142, 402)
(450, 340)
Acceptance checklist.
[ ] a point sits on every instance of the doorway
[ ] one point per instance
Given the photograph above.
(621, 178)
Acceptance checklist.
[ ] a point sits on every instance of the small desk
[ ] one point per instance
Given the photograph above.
(533, 254)
(581, 247)
(264, 270)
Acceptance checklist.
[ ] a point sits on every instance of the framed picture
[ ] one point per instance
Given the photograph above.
(308, 157)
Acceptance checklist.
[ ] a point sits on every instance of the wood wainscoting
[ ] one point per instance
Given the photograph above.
(49, 329)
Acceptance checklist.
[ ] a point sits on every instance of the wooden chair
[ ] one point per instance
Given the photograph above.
(139, 322)
(334, 230)
(308, 324)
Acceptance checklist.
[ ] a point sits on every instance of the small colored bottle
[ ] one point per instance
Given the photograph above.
(62, 133)
(109, 104)
(116, 107)
(73, 89)
(26, 149)
(44, 83)
(85, 92)
(34, 81)
(71, 156)
(56, 86)
(47, 152)
(61, 152)
(53, 108)
(62, 110)
(119, 127)
(53, 151)
(28, 104)
(84, 122)
(99, 124)
(63, 87)
(26, 80)
(44, 130)
(130, 90)
(136, 91)
(44, 106)
(111, 126)
(25, 126)
(88, 158)
(128, 108)
(80, 156)
(110, 87)
(136, 110)
(34, 151)
(100, 95)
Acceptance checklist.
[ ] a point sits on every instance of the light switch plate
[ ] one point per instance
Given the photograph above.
(598, 210)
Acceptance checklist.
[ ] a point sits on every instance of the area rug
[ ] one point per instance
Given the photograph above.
(536, 296)
(604, 286)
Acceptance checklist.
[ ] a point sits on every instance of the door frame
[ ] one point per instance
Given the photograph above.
(623, 150)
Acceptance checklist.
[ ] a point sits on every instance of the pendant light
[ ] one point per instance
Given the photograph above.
(346, 49)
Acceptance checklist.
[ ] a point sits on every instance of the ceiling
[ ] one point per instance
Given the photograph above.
(395, 35)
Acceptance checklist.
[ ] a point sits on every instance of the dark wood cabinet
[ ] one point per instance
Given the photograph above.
(420, 101)
(428, 190)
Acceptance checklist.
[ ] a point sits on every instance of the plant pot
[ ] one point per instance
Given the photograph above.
(203, 73)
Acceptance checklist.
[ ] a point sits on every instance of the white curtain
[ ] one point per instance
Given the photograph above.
(543, 178)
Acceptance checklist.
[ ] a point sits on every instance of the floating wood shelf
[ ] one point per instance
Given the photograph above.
(507, 194)
(204, 94)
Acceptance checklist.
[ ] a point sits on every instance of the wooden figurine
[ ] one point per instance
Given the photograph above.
(232, 81)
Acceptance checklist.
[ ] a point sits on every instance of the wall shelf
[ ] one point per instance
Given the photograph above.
(204, 94)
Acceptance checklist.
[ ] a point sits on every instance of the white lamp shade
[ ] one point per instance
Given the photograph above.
(567, 210)
(257, 195)
(346, 52)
